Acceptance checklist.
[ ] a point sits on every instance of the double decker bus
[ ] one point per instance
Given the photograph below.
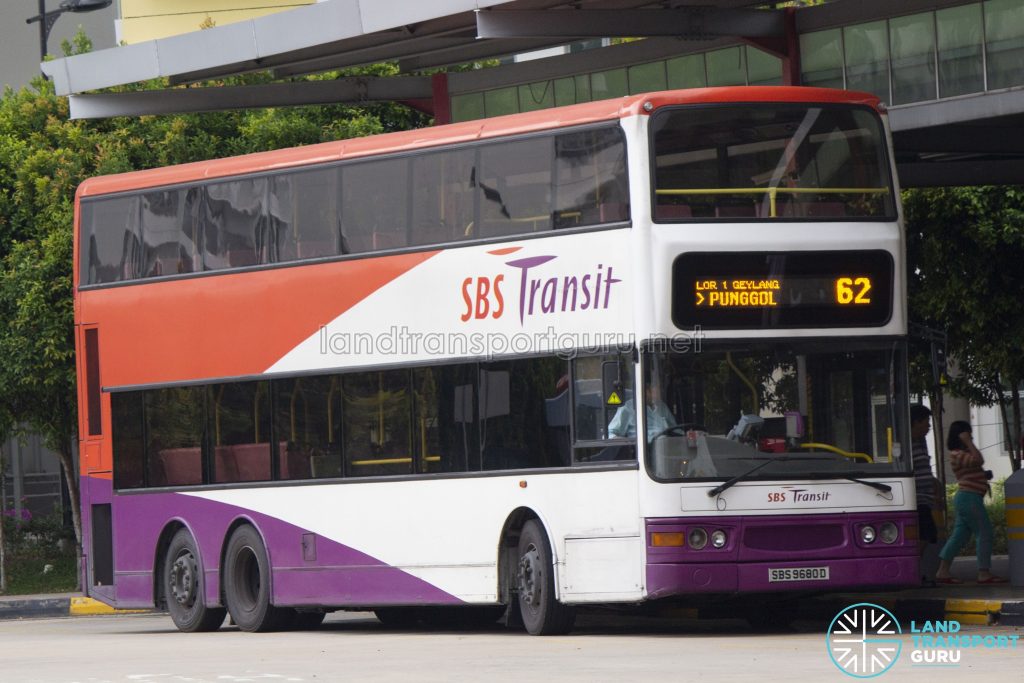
(403, 373)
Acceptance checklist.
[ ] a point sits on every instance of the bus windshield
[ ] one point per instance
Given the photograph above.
(820, 409)
(770, 162)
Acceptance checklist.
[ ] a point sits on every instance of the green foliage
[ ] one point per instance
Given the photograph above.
(44, 157)
(33, 545)
(965, 247)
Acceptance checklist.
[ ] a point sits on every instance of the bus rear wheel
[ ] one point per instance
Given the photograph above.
(542, 613)
(183, 587)
(247, 584)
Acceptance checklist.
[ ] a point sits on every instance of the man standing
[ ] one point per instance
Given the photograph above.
(924, 481)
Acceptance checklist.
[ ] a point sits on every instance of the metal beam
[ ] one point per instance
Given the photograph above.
(960, 173)
(185, 100)
(691, 23)
(978, 107)
(961, 139)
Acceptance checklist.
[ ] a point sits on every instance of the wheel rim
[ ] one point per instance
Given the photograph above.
(183, 579)
(530, 577)
(247, 578)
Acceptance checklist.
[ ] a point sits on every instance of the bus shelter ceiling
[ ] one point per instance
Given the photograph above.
(341, 33)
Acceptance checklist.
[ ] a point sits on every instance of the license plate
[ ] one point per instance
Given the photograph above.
(798, 574)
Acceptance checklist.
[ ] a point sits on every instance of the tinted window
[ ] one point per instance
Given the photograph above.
(782, 161)
(514, 179)
(306, 211)
(169, 234)
(590, 178)
(240, 420)
(237, 226)
(307, 411)
(443, 196)
(376, 201)
(175, 421)
(446, 434)
(129, 445)
(112, 240)
(485, 190)
(376, 414)
(521, 424)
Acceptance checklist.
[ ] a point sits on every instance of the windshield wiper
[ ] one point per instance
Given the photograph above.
(885, 488)
(740, 477)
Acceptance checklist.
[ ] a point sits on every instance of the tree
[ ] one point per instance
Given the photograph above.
(965, 250)
(43, 158)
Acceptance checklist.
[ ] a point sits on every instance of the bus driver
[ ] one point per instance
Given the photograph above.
(657, 418)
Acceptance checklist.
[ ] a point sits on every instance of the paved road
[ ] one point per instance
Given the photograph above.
(355, 647)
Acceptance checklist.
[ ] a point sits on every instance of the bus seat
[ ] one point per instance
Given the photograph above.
(224, 466)
(252, 461)
(294, 461)
(182, 465)
(669, 211)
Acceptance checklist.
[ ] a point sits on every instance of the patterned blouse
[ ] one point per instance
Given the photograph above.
(969, 471)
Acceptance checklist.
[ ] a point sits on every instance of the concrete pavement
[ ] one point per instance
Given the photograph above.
(967, 603)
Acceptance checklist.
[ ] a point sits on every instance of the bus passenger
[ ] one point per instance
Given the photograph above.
(658, 417)
(920, 424)
(969, 504)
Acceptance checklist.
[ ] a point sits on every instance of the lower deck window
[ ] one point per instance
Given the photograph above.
(467, 417)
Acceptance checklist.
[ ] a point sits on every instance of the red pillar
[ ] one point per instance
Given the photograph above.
(791, 60)
(442, 101)
(786, 48)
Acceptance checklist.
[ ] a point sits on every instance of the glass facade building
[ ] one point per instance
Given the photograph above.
(962, 50)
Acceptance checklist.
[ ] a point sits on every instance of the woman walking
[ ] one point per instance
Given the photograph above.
(969, 504)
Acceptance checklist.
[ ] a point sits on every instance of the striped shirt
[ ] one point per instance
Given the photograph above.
(969, 471)
(923, 473)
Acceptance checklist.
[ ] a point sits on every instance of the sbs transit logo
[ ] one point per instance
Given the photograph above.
(534, 290)
(864, 640)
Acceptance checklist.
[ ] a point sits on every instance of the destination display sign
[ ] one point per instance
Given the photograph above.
(758, 290)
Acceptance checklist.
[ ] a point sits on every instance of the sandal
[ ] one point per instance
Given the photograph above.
(991, 580)
(948, 581)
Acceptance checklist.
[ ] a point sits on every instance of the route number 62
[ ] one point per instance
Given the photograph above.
(853, 290)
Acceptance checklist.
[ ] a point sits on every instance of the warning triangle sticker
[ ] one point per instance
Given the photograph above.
(614, 399)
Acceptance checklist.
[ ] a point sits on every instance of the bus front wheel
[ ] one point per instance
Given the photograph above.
(183, 587)
(541, 611)
(247, 584)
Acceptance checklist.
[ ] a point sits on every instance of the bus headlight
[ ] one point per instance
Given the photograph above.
(718, 538)
(867, 534)
(697, 538)
(888, 532)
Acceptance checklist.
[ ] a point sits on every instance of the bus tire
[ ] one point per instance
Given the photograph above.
(542, 613)
(247, 584)
(183, 587)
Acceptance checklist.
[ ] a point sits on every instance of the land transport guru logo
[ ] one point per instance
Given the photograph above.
(865, 640)
(534, 292)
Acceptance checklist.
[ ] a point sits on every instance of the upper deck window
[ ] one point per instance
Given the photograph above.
(770, 162)
(500, 188)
